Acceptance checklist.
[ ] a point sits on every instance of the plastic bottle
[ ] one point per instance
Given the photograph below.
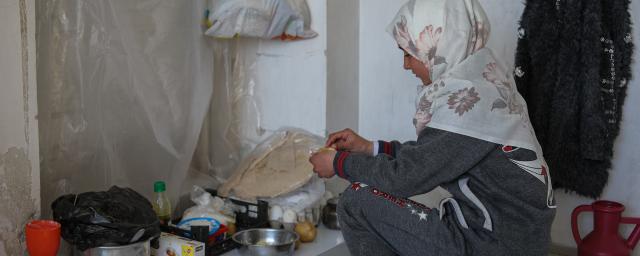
(161, 204)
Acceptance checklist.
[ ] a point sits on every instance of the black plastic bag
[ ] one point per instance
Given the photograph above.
(118, 216)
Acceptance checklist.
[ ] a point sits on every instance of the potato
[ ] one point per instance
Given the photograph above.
(306, 230)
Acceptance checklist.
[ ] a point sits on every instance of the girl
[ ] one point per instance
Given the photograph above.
(474, 139)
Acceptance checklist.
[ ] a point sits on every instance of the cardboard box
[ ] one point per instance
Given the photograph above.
(172, 245)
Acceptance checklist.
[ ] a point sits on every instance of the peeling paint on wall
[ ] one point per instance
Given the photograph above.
(16, 203)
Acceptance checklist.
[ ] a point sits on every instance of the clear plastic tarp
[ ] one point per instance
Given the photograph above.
(232, 127)
(123, 88)
(267, 19)
(130, 92)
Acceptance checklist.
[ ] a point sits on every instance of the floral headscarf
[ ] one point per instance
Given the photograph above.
(472, 93)
(468, 31)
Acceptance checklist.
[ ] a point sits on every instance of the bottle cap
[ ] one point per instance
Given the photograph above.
(159, 186)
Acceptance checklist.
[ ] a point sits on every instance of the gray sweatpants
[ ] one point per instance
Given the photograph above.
(376, 223)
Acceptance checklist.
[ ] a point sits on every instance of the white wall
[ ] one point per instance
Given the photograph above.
(292, 76)
(19, 161)
(342, 64)
(387, 92)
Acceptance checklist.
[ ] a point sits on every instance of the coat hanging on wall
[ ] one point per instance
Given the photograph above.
(572, 67)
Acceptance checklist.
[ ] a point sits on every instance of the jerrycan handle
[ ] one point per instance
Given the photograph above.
(574, 221)
(632, 241)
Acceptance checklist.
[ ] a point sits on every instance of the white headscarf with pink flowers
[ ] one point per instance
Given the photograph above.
(472, 93)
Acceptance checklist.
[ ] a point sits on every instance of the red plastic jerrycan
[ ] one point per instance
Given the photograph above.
(605, 240)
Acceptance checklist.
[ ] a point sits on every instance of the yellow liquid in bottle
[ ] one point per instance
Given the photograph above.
(162, 207)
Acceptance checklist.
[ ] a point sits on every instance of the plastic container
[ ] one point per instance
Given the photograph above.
(161, 204)
(43, 237)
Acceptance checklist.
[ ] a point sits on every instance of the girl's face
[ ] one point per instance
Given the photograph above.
(417, 68)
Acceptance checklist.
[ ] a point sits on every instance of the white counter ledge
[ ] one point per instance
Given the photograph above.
(326, 239)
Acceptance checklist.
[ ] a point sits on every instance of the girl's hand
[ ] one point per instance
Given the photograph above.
(323, 163)
(348, 140)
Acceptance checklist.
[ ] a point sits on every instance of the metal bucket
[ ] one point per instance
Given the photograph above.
(137, 249)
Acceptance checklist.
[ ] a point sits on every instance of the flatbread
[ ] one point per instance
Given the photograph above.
(278, 169)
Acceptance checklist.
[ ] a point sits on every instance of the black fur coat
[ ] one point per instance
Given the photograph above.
(572, 66)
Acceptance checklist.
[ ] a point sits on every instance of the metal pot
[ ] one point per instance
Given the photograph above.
(329, 214)
(137, 249)
(265, 241)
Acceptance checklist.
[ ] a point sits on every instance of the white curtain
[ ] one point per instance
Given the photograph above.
(123, 89)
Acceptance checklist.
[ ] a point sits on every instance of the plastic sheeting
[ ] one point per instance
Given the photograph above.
(267, 19)
(123, 88)
(233, 125)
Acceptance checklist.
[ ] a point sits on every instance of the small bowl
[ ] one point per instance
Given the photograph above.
(266, 241)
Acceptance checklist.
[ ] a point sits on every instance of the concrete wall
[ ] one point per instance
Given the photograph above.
(19, 161)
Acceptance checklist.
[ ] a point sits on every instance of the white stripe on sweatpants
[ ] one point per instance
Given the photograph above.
(456, 209)
(464, 187)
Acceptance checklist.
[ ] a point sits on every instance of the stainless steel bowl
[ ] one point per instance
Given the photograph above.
(136, 249)
(265, 241)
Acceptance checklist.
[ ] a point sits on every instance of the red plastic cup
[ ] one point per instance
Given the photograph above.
(43, 237)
